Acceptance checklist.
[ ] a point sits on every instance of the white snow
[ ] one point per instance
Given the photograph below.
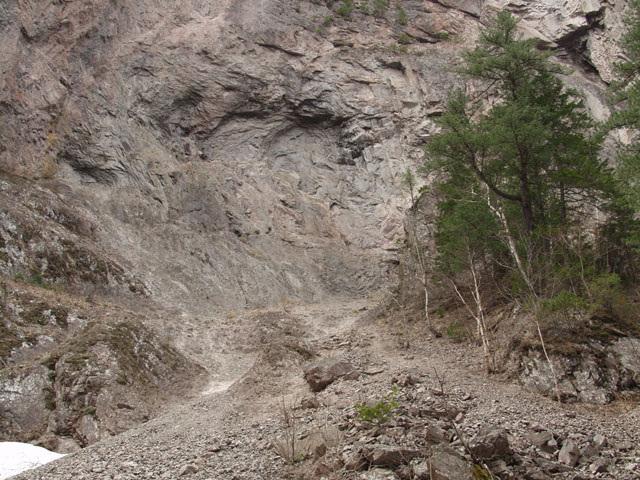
(17, 457)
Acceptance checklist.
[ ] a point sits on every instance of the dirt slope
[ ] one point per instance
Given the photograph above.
(230, 433)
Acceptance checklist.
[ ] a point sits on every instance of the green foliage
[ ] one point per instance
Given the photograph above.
(380, 8)
(565, 303)
(36, 278)
(380, 412)
(364, 7)
(607, 295)
(532, 146)
(404, 38)
(401, 15)
(327, 20)
(409, 182)
(444, 36)
(298, 8)
(626, 97)
(467, 231)
(18, 277)
(519, 179)
(345, 9)
(457, 332)
(399, 48)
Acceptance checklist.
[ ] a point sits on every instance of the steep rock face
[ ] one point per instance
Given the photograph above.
(270, 135)
(225, 136)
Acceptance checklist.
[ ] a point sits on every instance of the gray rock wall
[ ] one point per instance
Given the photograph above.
(246, 143)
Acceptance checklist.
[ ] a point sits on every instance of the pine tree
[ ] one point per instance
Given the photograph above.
(525, 136)
(626, 96)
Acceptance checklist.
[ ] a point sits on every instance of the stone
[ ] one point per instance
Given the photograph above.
(324, 372)
(188, 470)
(491, 443)
(599, 466)
(435, 434)
(569, 453)
(599, 441)
(378, 474)
(310, 402)
(353, 460)
(536, 475)
(544, 440)
(389, 455)
(473, 7)
(421, 470)
(447, 464)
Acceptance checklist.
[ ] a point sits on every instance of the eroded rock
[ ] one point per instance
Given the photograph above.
(446, 464)
(324, 372)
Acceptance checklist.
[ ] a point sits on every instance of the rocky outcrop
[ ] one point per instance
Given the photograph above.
(592, 375)
(75, 374)
(263, 135)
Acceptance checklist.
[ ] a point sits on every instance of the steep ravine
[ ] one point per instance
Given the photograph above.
(182, 165)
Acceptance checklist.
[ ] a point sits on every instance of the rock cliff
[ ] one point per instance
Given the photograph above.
(204, 155)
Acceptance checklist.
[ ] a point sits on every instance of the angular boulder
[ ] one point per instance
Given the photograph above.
(389, 455)
(321, 373)
(447, 464)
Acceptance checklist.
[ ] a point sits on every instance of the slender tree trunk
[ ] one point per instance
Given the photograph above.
(516, 257)
(527, 208)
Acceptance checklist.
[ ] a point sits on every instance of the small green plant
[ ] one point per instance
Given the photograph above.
(327, 20)
(444, 36)
(364, 7)
(399, 48)
(404, 38)
(298, 8)
(401, 15)
(457, 332)
(380, 412)
(18, 277)
(564, 303)
(380, 8)
(345, 9)
(36, 278)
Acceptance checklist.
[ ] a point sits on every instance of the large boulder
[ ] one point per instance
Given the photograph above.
(323, 372)
(447, 464)
(390, 456)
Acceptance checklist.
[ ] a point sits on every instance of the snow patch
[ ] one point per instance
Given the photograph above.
(17, 457)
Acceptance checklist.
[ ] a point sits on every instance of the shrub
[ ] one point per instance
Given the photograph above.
(380, 8)
(401, 15)
(327, 20)
(345, 9)
(404, 38)
(380, 412)
(399, 48)
(457, 332)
